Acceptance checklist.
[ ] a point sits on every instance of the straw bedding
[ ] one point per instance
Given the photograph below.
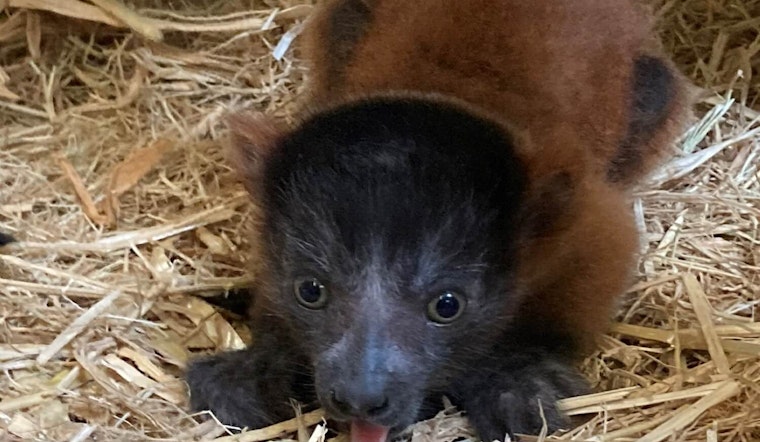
(112, 175)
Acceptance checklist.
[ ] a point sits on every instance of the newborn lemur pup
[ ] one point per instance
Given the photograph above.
(451, 214)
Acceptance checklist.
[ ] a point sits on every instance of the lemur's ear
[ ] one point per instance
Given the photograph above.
(253, 137)
(653, 94)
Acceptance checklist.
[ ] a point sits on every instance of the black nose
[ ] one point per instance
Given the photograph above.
(357, 404)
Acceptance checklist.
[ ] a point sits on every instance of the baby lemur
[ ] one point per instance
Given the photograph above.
(450, 215)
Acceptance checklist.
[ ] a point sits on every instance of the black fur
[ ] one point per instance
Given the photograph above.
(532, 366)
(252, 387)
(237, 301)
(502, 395)
(652, 93)
(388, 203)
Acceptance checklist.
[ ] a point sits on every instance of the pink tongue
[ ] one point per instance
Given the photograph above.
(366, 432)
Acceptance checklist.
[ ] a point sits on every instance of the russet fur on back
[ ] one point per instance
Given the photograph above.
(450, 215)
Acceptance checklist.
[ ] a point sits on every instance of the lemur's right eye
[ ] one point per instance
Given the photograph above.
(310, 293)
(446, 307)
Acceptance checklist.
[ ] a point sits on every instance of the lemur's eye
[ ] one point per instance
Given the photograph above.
(446, 307)
(310, 293)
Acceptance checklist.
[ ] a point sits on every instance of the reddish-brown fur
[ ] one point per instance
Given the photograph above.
(557, 72)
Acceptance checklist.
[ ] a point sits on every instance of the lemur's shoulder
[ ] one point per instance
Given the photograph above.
(586, 72)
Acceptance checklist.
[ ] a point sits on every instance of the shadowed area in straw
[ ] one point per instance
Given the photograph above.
(114, 182)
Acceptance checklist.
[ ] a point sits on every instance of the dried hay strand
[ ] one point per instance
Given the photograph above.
(114, 181)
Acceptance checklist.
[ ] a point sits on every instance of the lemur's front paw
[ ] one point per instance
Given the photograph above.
(235, 387)
(221, 384)
(507, 403)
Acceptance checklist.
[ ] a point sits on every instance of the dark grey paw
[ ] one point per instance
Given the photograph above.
(222, 385)
(508, 403)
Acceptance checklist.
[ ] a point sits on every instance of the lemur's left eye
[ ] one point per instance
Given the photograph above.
(446, 307)
(310, 293)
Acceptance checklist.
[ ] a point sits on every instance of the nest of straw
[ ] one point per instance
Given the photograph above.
(112, 176)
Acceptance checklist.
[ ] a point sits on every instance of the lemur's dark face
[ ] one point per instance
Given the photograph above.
(390, 228)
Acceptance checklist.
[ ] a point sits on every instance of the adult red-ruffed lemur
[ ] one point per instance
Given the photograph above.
(450, 215)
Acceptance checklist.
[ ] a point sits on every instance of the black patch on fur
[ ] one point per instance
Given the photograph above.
(652, 93)
(398, 163)
(347, 24)
(6, 239)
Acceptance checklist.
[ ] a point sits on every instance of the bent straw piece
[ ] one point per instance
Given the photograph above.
(11, 29)
(145, 365)
(276, 430)
(630, 430)
(86, 201)
(14, 285)
(136, 165)
(595, 398)
(19, 351)
(116, 14)
(33, 34)
(133, 238)
(679, 421)
(26, 401)
(133, 89)
(130, 170)
(622, 404)
(69, 8)
(24, 109)
(132, 19)
(687, 338)
(703, 310)
(682, 166)
(134, 377)
(84, 434)
(748, 111)
(77, 326)
(245, 24)
(70, 276)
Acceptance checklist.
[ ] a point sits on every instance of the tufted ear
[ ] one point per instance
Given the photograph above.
(655, 98)
(253, 138)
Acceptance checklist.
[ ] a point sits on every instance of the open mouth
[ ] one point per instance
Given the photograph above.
(362, 431)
